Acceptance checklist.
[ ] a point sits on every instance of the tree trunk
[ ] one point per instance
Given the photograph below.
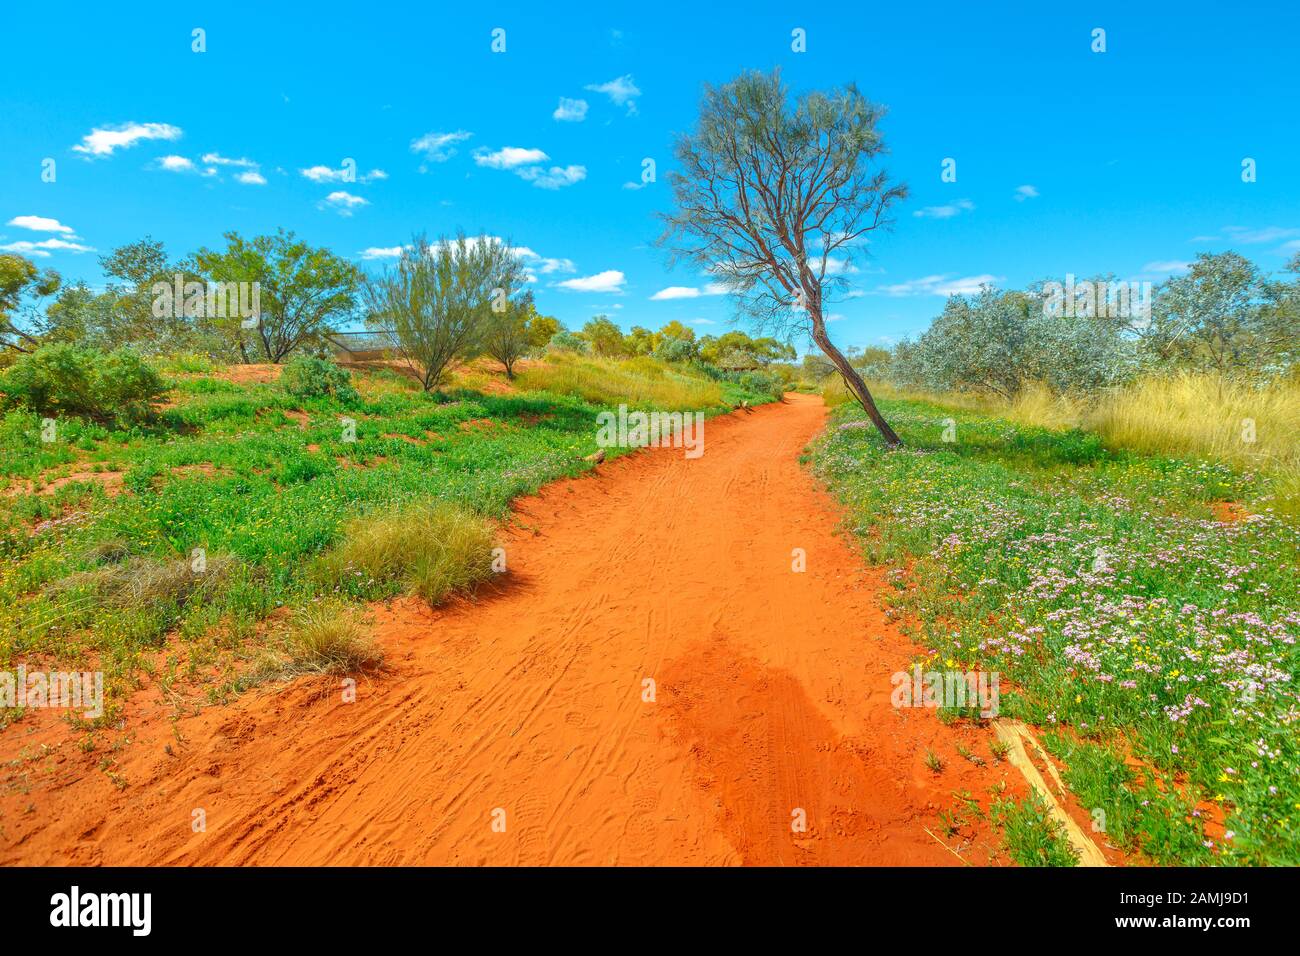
(855, 383)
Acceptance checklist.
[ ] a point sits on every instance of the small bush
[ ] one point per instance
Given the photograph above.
(72, 380)
(309, 377)
(675, 350)
(431, 549)
(764, 383)
(569, 342)
(328, 637)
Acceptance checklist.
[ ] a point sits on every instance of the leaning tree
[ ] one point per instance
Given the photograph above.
(775, 197)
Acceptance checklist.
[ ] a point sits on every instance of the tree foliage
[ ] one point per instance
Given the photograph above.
(774, 198)
(508, 333)
(304, 292)
(22, 286)
(1001, 341)
(1223, 315)
(438, 299)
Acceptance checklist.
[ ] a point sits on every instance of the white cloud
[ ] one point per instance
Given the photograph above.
(439, 147)
(343, 202)
(183, 164)
(216, 159)
(688, 292)
(103, 140)
(40, 224)
(543, 264)
(570, 111)
(524, 164)
(676, 292)
(251, 177)
(703, 322)
(323, 174)
(547, 266)
(534, 261)
(1026, 192)
(1292, 246)
(176, 164)
(621, 90)
(42, 249)
(557, 177)
(946, 211)
(383, 252)
(509, 157)
(610, 280)
(330, 174)
(944, 285)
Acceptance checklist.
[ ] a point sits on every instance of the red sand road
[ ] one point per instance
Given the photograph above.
(772, 696)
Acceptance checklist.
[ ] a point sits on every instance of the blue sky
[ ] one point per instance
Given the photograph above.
(1068, 161)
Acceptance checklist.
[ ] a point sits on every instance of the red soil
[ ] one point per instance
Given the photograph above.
(771, 697)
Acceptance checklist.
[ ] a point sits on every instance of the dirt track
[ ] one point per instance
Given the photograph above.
(772, 694)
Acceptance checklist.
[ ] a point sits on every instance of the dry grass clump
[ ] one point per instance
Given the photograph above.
(433, 549)
(146, 582)
(328, 637)
(835, 393)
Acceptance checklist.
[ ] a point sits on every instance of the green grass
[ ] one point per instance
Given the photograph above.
(1127, 620)
(271, 491)
(1032, 837)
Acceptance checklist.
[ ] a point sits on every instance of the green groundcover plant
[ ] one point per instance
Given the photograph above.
(1154, 645)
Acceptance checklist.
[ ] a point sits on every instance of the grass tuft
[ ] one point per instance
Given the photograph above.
(432, 549)
(146, 582)
(327, 637)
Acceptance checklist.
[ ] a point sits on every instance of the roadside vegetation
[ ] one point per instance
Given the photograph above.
(1142, 609)
(184, 532)
(196, 473)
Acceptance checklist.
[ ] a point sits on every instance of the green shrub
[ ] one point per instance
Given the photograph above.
(764, 383)
(309, 377)
(567, 341)
(71, 380)
(675, 350)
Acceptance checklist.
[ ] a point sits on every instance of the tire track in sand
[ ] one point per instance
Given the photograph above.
(772, 695)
